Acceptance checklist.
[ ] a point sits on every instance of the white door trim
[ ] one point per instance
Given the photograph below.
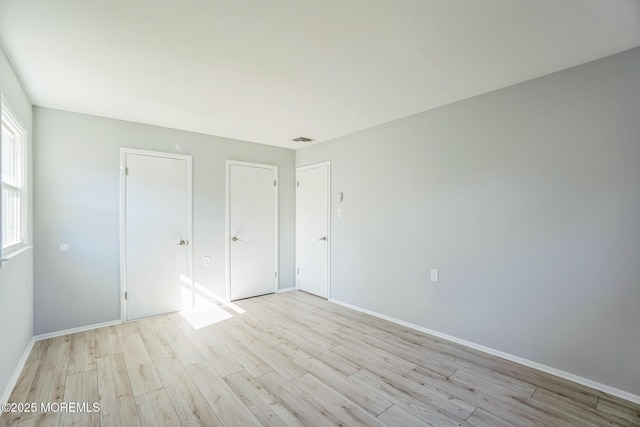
(123, 218)
(274, 168)
(298, 170)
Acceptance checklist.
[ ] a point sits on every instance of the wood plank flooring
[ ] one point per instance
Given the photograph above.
(292, 359)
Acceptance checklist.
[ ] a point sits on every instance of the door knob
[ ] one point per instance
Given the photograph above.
(181, 243)
(323, 238)
(235, 239)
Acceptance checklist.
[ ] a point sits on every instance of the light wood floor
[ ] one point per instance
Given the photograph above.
(294, 359)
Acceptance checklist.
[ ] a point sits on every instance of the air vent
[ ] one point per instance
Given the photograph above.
(302, 139)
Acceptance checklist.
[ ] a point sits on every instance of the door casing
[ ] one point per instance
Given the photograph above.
(123, 218)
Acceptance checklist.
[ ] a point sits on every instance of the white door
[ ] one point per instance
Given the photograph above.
(156, 234)
(312, 229)
(252, 232)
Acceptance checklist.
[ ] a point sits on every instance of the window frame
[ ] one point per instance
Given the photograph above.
(15, 127)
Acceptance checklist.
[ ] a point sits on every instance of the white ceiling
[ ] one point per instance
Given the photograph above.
(271, 70)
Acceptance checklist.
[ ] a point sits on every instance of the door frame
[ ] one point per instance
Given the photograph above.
(326, 164)
(123, 219)
(274, 168)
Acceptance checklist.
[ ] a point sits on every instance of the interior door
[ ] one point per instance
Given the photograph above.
(252, 232)
(156, 233)
(312, 229)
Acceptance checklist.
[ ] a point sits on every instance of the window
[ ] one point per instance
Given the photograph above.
(13, 203)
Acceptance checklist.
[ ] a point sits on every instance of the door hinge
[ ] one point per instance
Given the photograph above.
(276, 274)
(126, 295)
(298, 271)
(274, 182)
(126, 171)
(298, 184)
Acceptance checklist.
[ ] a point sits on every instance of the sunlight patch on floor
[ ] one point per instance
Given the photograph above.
(206, 307)
(202, 292)
(205, 313)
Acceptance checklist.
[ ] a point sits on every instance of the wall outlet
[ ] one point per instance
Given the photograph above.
(207, 261)
(434, 275)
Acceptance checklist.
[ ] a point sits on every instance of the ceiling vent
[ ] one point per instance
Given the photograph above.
(302, 139)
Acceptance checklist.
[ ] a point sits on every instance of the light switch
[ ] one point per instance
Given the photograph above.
(339, 213)
(207, 261)
(434, 275)
(340, 196)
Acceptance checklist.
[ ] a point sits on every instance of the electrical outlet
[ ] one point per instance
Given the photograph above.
(434, 275)
(207, 261)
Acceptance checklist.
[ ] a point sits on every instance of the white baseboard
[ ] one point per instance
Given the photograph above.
(517, 359)
(16, 374)
(292, 288)
(75, 330)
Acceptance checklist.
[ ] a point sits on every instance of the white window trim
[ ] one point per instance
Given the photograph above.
(24, 244)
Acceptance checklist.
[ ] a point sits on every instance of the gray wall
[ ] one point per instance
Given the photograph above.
(16, 275)
(526, 199)
(76, 200)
